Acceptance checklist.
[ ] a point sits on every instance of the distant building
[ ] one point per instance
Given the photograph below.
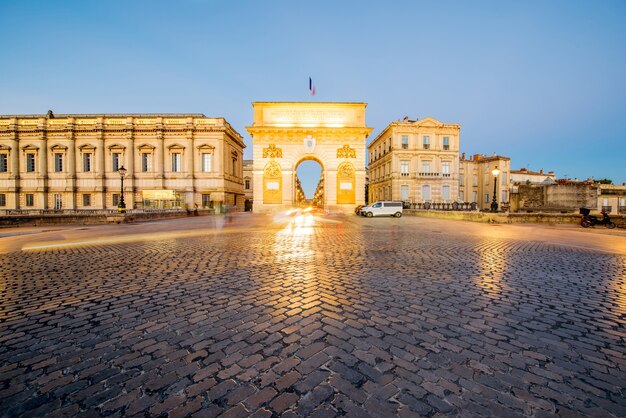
(525, 176)
(72, 161)
(476, 180)
(612, 198)
(248, 176)
(415, 161)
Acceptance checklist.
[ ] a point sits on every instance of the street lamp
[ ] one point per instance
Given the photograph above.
(494, 202)
(121, 206)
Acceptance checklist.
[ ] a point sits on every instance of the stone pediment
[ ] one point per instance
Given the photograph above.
(429, 122)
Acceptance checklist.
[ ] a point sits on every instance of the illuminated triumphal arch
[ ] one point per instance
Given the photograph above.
(286, 133)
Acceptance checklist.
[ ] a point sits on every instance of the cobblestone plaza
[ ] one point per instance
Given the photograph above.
(312, 316)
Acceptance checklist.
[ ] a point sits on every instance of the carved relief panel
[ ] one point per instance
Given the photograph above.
(346, 183)
(272, 183)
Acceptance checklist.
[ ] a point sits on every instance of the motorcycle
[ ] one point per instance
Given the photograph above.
(590, 220)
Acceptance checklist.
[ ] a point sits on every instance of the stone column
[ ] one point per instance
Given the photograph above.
(129, 180)
(71, 175)
(160, 159)
(15, 167)
(100, 167)
(43, 164)
(189, 165)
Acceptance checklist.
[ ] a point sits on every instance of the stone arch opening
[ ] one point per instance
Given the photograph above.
(309, 181)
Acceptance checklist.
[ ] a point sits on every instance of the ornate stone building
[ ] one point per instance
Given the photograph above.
(286, 133)
(72, 161)
(476, 180)
(415, 161)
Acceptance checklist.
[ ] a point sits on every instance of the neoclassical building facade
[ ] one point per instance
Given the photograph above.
(477, 181)
(71, 161)
(415, 161)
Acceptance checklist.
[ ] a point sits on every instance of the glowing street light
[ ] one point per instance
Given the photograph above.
(121, 207)
(494, 202)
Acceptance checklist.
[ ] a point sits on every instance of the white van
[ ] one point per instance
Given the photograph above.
(382, 209)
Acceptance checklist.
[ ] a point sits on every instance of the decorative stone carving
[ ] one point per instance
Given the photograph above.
(272, 152)
(272, 169)
(346, 152)
(346, 170)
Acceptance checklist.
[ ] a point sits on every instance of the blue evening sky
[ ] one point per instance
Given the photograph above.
(542, 82)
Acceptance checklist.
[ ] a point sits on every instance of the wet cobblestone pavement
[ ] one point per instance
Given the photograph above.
(322, 318)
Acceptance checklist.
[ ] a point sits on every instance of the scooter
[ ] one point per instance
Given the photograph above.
(589, 220)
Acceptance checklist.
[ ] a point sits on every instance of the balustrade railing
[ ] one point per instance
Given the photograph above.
(450, 206)
(79, 212)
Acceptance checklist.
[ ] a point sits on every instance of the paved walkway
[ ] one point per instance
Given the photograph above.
(316, 317)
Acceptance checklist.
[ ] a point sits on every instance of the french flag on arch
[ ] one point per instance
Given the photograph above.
(311, 87)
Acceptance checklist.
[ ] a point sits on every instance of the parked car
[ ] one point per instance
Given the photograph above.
(382, 209)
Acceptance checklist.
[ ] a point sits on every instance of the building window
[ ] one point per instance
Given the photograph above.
(4, 163)
(404, 192)
(30, 199)
(115, 199)
(30, 163)
(474, 181)
(486, 197)
(87, 159)
(146, 162)
(504, 198)
(206, 162)
(474, 197)
(234, 166)
(426, 193)
(247, 184)
(445, 168)
(446, 143)
(58, 162)
(176, 162)
(445, 193)
(405, 141)
(425, 166)
(86, 200)
(404, 168)
(426, 142)
(460, 196)
(58, 201)
(115, 161)
(206, 200)
(462, 179)
(3, 199)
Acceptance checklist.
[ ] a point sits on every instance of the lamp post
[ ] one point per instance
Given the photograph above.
(494, 201)
(121, 206)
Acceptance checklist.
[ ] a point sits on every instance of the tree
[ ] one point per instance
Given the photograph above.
(605, 181)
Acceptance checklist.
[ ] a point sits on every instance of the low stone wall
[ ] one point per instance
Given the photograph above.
(509, 218)
(87, 219)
